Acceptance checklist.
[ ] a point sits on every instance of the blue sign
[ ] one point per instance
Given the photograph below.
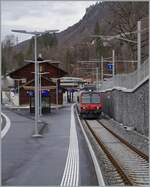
(45, 92)
(110, 66)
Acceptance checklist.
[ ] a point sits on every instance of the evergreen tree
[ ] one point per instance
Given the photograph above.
(44, 42)
(47, 40)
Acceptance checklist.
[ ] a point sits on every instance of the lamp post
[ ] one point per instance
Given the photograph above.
(139, 48)
(37, 102)
(113, 62)
(102, 71)
(97, 77)
(57, 93)
(36, 34)
(40, 60)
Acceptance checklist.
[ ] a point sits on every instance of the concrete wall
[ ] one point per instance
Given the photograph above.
(129, 108)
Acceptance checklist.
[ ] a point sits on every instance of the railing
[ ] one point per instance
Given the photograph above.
(128, 81)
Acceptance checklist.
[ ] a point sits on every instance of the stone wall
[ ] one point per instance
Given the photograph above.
(129, 108)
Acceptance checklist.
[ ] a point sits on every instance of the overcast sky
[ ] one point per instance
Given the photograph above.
(40, 15)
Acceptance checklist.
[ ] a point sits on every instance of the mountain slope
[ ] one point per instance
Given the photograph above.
(74, 43)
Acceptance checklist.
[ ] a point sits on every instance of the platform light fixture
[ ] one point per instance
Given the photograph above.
(35, 34)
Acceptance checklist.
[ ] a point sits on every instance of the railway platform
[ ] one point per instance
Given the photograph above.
(61, 157)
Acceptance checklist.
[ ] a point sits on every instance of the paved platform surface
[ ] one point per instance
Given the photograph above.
(29, 161)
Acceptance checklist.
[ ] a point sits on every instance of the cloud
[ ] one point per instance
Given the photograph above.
(41, 15)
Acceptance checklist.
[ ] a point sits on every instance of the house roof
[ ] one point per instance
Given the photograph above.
(30, 81)
(52, 64)
(27, 85)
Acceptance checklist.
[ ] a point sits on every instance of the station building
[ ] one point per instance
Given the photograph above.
(49, 75)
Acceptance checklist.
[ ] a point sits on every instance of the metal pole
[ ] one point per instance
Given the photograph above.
(97, 78)
(57, 94)
(40, 97)
(18, 94)
(36, 134)
(102, 64)
(36, 89)
(139, 48)
(113, 62)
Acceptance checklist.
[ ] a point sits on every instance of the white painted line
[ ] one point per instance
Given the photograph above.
(71, 171)
(96, 165)
(67, 167)
(7, 126)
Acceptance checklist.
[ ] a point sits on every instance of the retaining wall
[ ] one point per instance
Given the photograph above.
(129, 108)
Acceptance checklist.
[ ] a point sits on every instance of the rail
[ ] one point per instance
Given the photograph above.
(130, 163)
(122, 174)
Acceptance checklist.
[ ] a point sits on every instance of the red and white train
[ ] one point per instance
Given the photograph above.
(89, 105)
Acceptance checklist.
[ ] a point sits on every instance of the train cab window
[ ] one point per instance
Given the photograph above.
(95, 98)
(85, 98)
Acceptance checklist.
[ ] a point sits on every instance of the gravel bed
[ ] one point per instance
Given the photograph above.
(139, 141)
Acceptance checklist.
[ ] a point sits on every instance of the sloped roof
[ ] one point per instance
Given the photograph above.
(29, 82)
(52, 64)
(27, 85)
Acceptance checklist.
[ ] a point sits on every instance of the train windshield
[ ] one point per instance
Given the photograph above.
(95, 98)
(85, 98)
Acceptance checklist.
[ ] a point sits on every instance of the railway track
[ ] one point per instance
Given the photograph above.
(128, 165)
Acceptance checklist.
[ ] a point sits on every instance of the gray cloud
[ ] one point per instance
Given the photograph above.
(41, 15)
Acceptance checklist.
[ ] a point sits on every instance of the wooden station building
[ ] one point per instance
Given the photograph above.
(49, 74)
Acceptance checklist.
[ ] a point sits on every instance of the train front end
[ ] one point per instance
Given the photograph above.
(90, 104)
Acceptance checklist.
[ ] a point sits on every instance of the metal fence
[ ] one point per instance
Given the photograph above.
(128, 81)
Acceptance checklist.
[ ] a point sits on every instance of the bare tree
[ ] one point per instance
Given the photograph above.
(10, 57)
(126, 15)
